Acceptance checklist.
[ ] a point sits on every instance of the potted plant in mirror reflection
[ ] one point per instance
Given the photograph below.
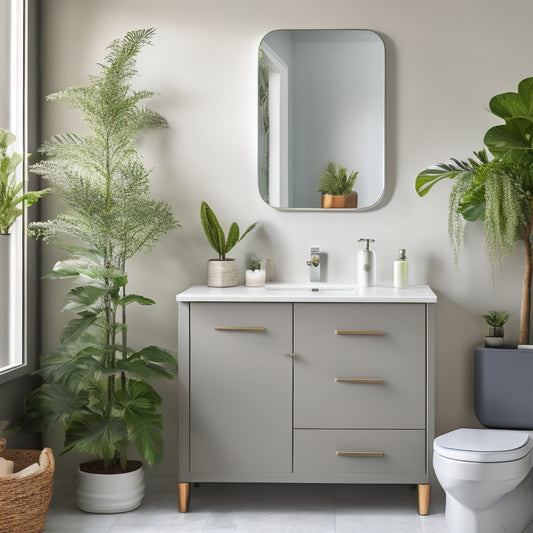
(221, 272)
(336, 187)
(96, 386)
(496, 191)
(496, 320)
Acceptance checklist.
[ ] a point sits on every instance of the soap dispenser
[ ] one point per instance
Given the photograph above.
(366, 265)
(400, 270)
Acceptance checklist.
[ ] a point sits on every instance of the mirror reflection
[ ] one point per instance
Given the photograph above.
(321, 118)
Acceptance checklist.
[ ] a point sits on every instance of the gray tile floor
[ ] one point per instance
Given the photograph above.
(259, 508)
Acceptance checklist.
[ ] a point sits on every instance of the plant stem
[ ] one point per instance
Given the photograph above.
(526, 287)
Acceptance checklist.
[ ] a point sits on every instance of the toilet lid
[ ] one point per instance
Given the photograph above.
(483, 445)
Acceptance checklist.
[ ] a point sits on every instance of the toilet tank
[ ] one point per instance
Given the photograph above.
(503, 387)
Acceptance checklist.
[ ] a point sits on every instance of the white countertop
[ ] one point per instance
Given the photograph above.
(303, 292)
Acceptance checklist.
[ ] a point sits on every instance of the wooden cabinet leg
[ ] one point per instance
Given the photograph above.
(423, 499)
(184, 497)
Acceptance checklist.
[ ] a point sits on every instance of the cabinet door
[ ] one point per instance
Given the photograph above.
(241, 387)
(360, 366)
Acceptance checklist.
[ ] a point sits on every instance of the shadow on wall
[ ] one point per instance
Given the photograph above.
(457, 333)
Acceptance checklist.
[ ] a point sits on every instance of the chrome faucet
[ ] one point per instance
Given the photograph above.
(314, 264)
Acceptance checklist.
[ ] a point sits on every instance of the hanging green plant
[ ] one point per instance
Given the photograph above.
(497, 191)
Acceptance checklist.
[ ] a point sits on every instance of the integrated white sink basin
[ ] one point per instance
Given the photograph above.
(317, 287)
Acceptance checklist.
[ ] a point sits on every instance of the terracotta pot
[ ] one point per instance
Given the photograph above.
(351, 200)
(222, 273)
(110, 493)
(333, 200)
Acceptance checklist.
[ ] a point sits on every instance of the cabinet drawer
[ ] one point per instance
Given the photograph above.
(376, 452)
(240, 387)
(360, 366)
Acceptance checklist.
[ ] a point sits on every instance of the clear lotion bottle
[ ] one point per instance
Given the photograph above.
(400, 271)
(366, 265)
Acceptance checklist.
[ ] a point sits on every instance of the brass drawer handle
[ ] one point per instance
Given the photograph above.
(360, 454)
(360, 380)
(357, 332)
(238, 329)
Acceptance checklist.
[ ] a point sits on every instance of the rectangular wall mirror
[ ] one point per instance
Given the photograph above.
(321, 99)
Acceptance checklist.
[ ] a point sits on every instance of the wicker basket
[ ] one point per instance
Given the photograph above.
(24, 502)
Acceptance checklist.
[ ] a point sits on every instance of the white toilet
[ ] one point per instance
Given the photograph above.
(487, 475)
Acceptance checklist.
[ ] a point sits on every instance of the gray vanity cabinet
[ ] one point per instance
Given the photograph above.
(306, 388)
(240, 388)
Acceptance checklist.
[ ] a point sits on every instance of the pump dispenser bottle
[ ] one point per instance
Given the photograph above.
(400, 270)
(366, 265)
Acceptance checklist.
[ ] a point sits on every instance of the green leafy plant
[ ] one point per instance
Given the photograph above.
(11, 199)
(496, 191)
(335, 180)
(96, 385)
(496, 319)
(215, 234)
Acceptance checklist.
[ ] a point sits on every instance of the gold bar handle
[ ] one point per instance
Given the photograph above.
(360, 454)
(238, 329)
(360, 380)
(358, 332)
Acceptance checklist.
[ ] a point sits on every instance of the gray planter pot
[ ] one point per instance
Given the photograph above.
(503, 391)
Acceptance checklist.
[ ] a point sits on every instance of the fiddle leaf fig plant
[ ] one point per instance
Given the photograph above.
(216, 237)
(11, 199)
(496, 191)
(96, 386)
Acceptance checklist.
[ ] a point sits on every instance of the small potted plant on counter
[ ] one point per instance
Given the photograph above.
(336, 187)
(221, 272)
(496, 320)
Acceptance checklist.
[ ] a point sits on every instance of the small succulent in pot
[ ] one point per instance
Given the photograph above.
(496, 320)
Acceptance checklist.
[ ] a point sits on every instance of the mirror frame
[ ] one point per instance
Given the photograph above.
(383, 179)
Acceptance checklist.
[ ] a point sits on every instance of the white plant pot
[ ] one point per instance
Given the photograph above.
(110, 493)
(222, 273)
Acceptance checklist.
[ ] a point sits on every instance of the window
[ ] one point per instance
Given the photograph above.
(13, 249)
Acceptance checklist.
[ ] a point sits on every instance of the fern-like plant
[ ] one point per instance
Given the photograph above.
(11, 199)
(216, 238)
(96, 386)
(335, 180)
(496, 191)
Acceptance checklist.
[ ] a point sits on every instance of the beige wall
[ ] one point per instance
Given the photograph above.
(444, 62)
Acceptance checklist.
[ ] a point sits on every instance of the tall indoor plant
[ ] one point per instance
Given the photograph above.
(497, 191)
(96, 385)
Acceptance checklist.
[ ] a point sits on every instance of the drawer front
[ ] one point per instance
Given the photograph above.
(240, 387)
(360, 366)
(373, 452)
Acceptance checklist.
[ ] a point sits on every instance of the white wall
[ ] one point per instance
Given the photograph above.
(444, 61)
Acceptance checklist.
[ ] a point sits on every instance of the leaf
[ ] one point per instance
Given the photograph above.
(155, 354)
(233, 237)
(95, 435)
(52, 404)
(77, 326)
(211, 228)
(84, 298)
(131, 298)
(512, 105)
(248, 229)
